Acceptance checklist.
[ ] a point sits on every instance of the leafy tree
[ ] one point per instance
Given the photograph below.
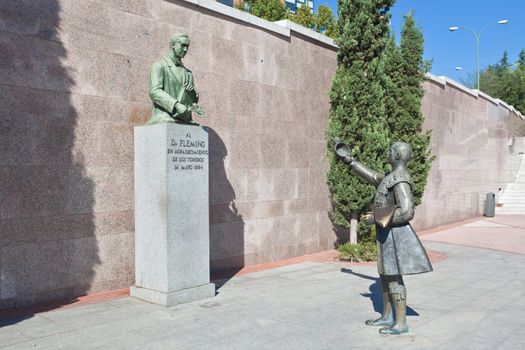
(305, 17)
(357, 114)
(405, 70)
(275, 10)
(271, 10)
(505, 81)
(325, 22)
(520, 82)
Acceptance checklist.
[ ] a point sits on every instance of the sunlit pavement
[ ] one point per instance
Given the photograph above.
(474, 299)
(502, 232)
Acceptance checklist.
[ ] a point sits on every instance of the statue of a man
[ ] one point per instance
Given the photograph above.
(399, 250)
(171, 86)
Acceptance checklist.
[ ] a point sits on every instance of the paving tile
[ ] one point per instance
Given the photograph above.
(474, 299)
(13, 338)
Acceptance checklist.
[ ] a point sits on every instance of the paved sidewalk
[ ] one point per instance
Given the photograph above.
(502, 233)
(474, 299)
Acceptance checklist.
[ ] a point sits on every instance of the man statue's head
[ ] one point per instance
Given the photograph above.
(399, 153)
(179, 43)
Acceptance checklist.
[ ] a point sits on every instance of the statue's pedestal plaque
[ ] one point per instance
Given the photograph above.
(172, 254)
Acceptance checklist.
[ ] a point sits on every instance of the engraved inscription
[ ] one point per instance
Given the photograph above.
(187, 154)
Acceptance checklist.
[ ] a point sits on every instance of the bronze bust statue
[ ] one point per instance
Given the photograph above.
(400, 251)
(172, 89)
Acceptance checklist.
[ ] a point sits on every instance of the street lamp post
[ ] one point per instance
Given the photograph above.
(477, 35)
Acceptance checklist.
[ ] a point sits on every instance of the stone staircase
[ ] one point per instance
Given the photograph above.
(513, 196)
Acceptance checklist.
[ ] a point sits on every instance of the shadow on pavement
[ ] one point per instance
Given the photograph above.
(375, 292)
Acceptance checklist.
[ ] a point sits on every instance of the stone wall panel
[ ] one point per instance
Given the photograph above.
(74, 82)
(470, 138)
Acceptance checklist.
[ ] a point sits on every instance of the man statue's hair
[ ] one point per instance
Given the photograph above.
(175, 37)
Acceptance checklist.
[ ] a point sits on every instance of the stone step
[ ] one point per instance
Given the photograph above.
(507, 197)
(517, 212)
(509, 205)
(513, 195)
(514, 186)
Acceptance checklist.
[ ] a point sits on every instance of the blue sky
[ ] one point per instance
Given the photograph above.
(451, 49)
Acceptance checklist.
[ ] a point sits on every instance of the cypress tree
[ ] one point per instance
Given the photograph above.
(521, 60)
(406, 70)
(394, 84)
(357, 111)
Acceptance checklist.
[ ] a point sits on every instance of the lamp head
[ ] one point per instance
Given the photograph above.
(453, 29)
(503, 21)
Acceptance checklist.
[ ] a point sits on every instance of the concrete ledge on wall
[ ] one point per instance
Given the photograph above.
(280, 27)
(285, 27)
(510, 108)
(443, 81)
(488, 98)
(307, 32)
(436, 80)
(240, 16)
(460, 86)
(504, 104)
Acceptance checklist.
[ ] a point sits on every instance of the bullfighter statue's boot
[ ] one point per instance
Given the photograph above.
(387, 316)
(398, 296)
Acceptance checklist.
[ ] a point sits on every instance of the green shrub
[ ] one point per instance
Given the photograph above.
(362, 251)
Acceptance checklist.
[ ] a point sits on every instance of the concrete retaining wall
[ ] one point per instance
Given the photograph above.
(74, 80)
(475, 139)
(73, 84)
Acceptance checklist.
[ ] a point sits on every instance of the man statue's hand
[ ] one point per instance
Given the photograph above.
(197, 109)
(180, 108)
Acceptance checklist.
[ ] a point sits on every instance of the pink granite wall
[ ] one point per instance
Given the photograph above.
(475, 140)
(73, 84)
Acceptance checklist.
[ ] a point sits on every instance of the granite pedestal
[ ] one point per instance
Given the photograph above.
(172, 256)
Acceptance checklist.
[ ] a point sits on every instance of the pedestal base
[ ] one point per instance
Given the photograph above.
(173, 298)
(172, 221)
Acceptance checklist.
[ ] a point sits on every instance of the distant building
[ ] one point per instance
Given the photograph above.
(293, 5)
(228, 2)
